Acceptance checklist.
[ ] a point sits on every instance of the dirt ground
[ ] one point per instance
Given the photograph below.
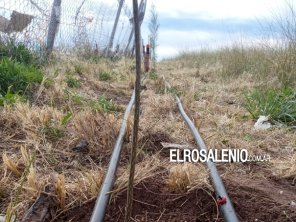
(253, 200)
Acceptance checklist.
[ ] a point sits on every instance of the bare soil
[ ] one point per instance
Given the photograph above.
(253, 199)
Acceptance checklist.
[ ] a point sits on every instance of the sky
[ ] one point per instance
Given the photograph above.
(184, 24)
(195, 24)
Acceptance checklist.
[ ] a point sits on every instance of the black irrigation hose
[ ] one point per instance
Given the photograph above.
(103, 199)
(227, 209)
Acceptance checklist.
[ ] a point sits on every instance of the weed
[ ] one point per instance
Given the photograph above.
(105, 76)
(279, 105)
(72, 82)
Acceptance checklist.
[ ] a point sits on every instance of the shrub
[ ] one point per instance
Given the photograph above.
(279, 105)
(17, 76)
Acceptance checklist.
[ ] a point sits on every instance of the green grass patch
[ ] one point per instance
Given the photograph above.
(105, 105)
(279, 105)
(17, 77)
(18, 72)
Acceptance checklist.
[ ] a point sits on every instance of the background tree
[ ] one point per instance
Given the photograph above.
(153, 28)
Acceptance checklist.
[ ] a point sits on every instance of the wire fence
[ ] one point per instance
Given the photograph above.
(84, 26)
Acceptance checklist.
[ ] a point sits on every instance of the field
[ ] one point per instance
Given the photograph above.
(56, 142)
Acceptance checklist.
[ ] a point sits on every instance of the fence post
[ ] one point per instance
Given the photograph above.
(53, 25)
(110, 45)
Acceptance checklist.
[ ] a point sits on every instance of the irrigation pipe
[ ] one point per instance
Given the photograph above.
(103, 199)
(227, 209)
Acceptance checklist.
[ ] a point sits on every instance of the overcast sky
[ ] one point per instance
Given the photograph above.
(192, 24)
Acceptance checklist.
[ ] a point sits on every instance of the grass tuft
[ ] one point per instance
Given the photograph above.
(279, 105)
(72, 82)
(105, 105)
(105, 76)
(78, 69)
(52, 131)
(153, 75)
(184, 177)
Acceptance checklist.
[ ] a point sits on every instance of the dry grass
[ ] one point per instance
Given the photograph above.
(186, 177)
(36, 145)
(217, 108)
(36, 141)
(285, 167)
(145, 169)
